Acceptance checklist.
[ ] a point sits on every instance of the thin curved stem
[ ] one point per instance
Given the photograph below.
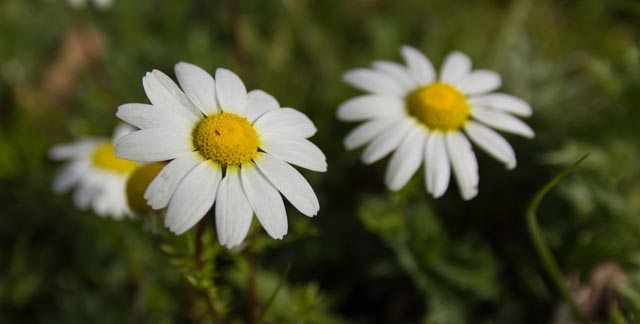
(542, 248)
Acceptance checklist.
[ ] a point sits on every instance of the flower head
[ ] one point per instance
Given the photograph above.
(136, 186)
(98, 175)
(421, 117)
(225, 147)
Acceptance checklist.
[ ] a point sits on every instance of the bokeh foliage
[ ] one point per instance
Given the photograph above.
(370, 256)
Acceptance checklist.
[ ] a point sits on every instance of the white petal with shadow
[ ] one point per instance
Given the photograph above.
(406, 159)
(265, 201)
(437, 167)
(199, 87)
(233, 211)
(290, 183)
(193, 197)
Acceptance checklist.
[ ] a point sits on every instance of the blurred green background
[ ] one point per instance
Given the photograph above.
(370, 256)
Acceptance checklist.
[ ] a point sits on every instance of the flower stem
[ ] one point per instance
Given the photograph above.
(549, 263)
(217, 317)
(197, 255)
(252, 260)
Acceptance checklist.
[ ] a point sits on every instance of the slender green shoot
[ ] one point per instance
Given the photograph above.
(542, 248)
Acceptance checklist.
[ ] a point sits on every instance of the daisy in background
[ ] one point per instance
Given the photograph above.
(98, 175)
(224, 146)
(422, 117)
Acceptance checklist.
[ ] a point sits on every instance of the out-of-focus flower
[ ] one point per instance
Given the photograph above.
(224, 146)
(137, 184)
(424, 118)
(100, 4)
(98, 175)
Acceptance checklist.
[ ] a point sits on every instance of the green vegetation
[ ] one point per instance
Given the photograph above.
(370, 256)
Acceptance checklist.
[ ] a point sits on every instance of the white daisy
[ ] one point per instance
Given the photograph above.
(98, 175)
(225, 146)
(424, 118)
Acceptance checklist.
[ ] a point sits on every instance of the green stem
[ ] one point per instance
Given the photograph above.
(197, 255)
(408, 263)
(252, 265)
(542, 248)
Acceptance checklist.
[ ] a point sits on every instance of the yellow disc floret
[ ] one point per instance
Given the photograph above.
(226, 138)
(439, 106)
(137, 184)
(105, 157)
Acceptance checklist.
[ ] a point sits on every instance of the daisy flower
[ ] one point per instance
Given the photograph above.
(422, 117)
(224, 146)
(136, 186)
(98, 175)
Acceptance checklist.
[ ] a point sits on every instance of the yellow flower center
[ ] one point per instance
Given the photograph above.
(105, 157)
(137, 185)
(226, 138)
(439, 106)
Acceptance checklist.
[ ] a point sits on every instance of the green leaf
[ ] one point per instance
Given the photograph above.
(541, 246)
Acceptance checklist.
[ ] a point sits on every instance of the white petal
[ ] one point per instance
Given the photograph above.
(294, 150)
(102, 200)
(119, 206)
(406, 160)
(231, 92)
(464, 163)
(163, 186)
(82, 197)
(290, 183)
(287, 121)
(479, 81)
(149, 116)
(76, 149)
(199, 87)
(502, 121)
(366, 132)
(165, 94)
(502, 101)
(437, 168)
(373, 81)
(492, 143)
(121, 130)
(153, 144)
(456, 66)
(386, 142)
(265, 201)
(86, 191)
(193, 197)
(370, 106)
(258, 103)
(69, 175)
(111, 200)
(233, 212)
(420, 67)
(398, 72)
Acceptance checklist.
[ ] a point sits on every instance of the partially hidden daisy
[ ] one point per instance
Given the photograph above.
(422, 117)
(225, 147)
(98, 175)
